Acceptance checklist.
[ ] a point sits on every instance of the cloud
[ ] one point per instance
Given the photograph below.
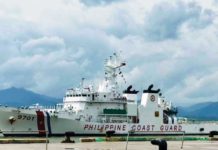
(43, 45)
(98, 2)
(205, 84)
(13, 33)
(165, 19)
(49, 48)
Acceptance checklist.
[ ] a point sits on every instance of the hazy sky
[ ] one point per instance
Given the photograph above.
(47, 46)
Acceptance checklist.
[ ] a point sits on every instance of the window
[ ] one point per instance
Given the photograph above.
(156, 114)
(201, 129)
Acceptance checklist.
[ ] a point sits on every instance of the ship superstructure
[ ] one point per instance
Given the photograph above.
(105, 104)
(87, 110)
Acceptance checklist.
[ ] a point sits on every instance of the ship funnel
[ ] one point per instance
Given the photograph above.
(149, 106)
(131, 95)
(149, 96)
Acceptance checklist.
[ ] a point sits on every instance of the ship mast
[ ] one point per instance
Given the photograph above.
(112, 70)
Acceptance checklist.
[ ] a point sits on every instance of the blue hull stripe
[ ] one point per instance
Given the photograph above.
(48, 123)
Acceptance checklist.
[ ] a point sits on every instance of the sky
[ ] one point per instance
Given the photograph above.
(48, 46)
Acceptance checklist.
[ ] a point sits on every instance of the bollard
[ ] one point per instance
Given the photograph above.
(161, 143)
(109, 133)
(212, 133)
(67, 137)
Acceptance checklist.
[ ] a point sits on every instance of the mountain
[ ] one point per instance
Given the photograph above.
(22, 97)
(200, 111)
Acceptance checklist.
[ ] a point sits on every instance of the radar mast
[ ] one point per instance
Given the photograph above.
(112, 70)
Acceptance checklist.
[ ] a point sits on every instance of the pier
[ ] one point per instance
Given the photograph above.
(172, 145)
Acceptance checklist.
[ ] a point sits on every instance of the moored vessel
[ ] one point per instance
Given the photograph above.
(87, 110)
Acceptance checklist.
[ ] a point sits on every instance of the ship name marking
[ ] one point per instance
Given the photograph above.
(105, 127)
(170, 128)
(137, 128)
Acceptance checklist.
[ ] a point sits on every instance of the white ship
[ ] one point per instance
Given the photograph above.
(89, 111)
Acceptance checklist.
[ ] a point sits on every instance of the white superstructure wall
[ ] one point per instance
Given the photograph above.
(149, 111)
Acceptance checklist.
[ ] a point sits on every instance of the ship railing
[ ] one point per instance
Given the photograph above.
(161, 132)
(38, 133)
(40, 107)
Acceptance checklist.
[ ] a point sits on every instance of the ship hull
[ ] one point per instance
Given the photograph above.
(25, 122)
